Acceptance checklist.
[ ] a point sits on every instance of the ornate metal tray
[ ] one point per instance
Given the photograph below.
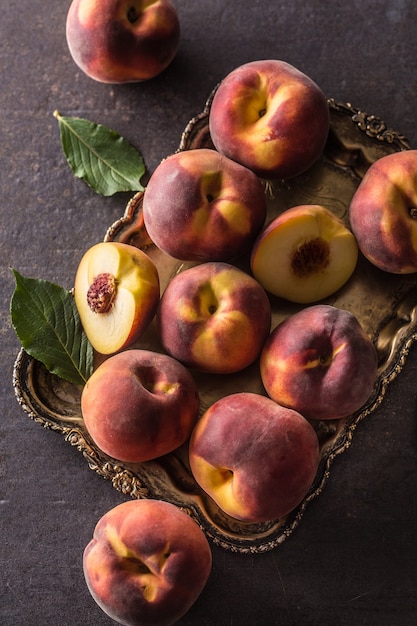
(384, 304)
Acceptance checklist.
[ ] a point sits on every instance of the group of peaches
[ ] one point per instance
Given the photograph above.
(256, 455)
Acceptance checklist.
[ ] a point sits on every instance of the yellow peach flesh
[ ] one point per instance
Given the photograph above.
(308, 255)
(136, 285)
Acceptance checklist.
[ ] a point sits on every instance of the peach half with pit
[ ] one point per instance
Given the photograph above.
(320, 362)
(147, 563)
(256, 459)
(305, 254)
(139, 405)
(201, 206)
(214, 317)
(116, 293)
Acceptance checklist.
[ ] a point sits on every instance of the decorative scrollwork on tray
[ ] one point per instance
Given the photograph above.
(386, 307)
(371, 125)
(122, 479)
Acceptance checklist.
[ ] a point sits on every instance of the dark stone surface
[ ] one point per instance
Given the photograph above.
(353, 558)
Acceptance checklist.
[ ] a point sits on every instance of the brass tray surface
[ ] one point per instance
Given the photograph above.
(384, 304)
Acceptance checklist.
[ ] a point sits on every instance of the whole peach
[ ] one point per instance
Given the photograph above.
(120, 41)
(214, 318)
(139, 405)
(147, 563)
(255, 458)
(320, 362)
(270, 117)
(383, 213)
(201, 206)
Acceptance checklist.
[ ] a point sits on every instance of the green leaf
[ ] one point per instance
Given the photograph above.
(101, 157)
(47, 323)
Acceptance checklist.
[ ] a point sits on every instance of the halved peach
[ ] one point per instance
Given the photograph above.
(306, 254)
(116, 293)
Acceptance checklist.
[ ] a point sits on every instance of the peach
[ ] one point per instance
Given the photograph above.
(139, 405)
(305, 254)
(214, 318)
(116, 293)
(201, 206)
(320, 362)
(120, 41)
(383, 213)
(147, 563)
(256, 459)
(270, 117)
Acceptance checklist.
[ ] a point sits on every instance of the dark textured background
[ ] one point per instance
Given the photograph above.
(353, 559)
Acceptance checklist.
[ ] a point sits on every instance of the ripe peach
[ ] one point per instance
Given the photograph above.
(147, 563)
(270, 117)
(315, 252)
(320, 362)
(120, 41)
(214, 317)
(383, 213)
(255, 458)
(139, 405)
(116, 293)
(201, 206)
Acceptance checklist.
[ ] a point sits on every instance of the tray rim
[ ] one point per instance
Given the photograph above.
(127, 481)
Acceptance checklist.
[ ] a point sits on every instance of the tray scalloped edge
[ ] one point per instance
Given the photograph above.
(127, 481)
